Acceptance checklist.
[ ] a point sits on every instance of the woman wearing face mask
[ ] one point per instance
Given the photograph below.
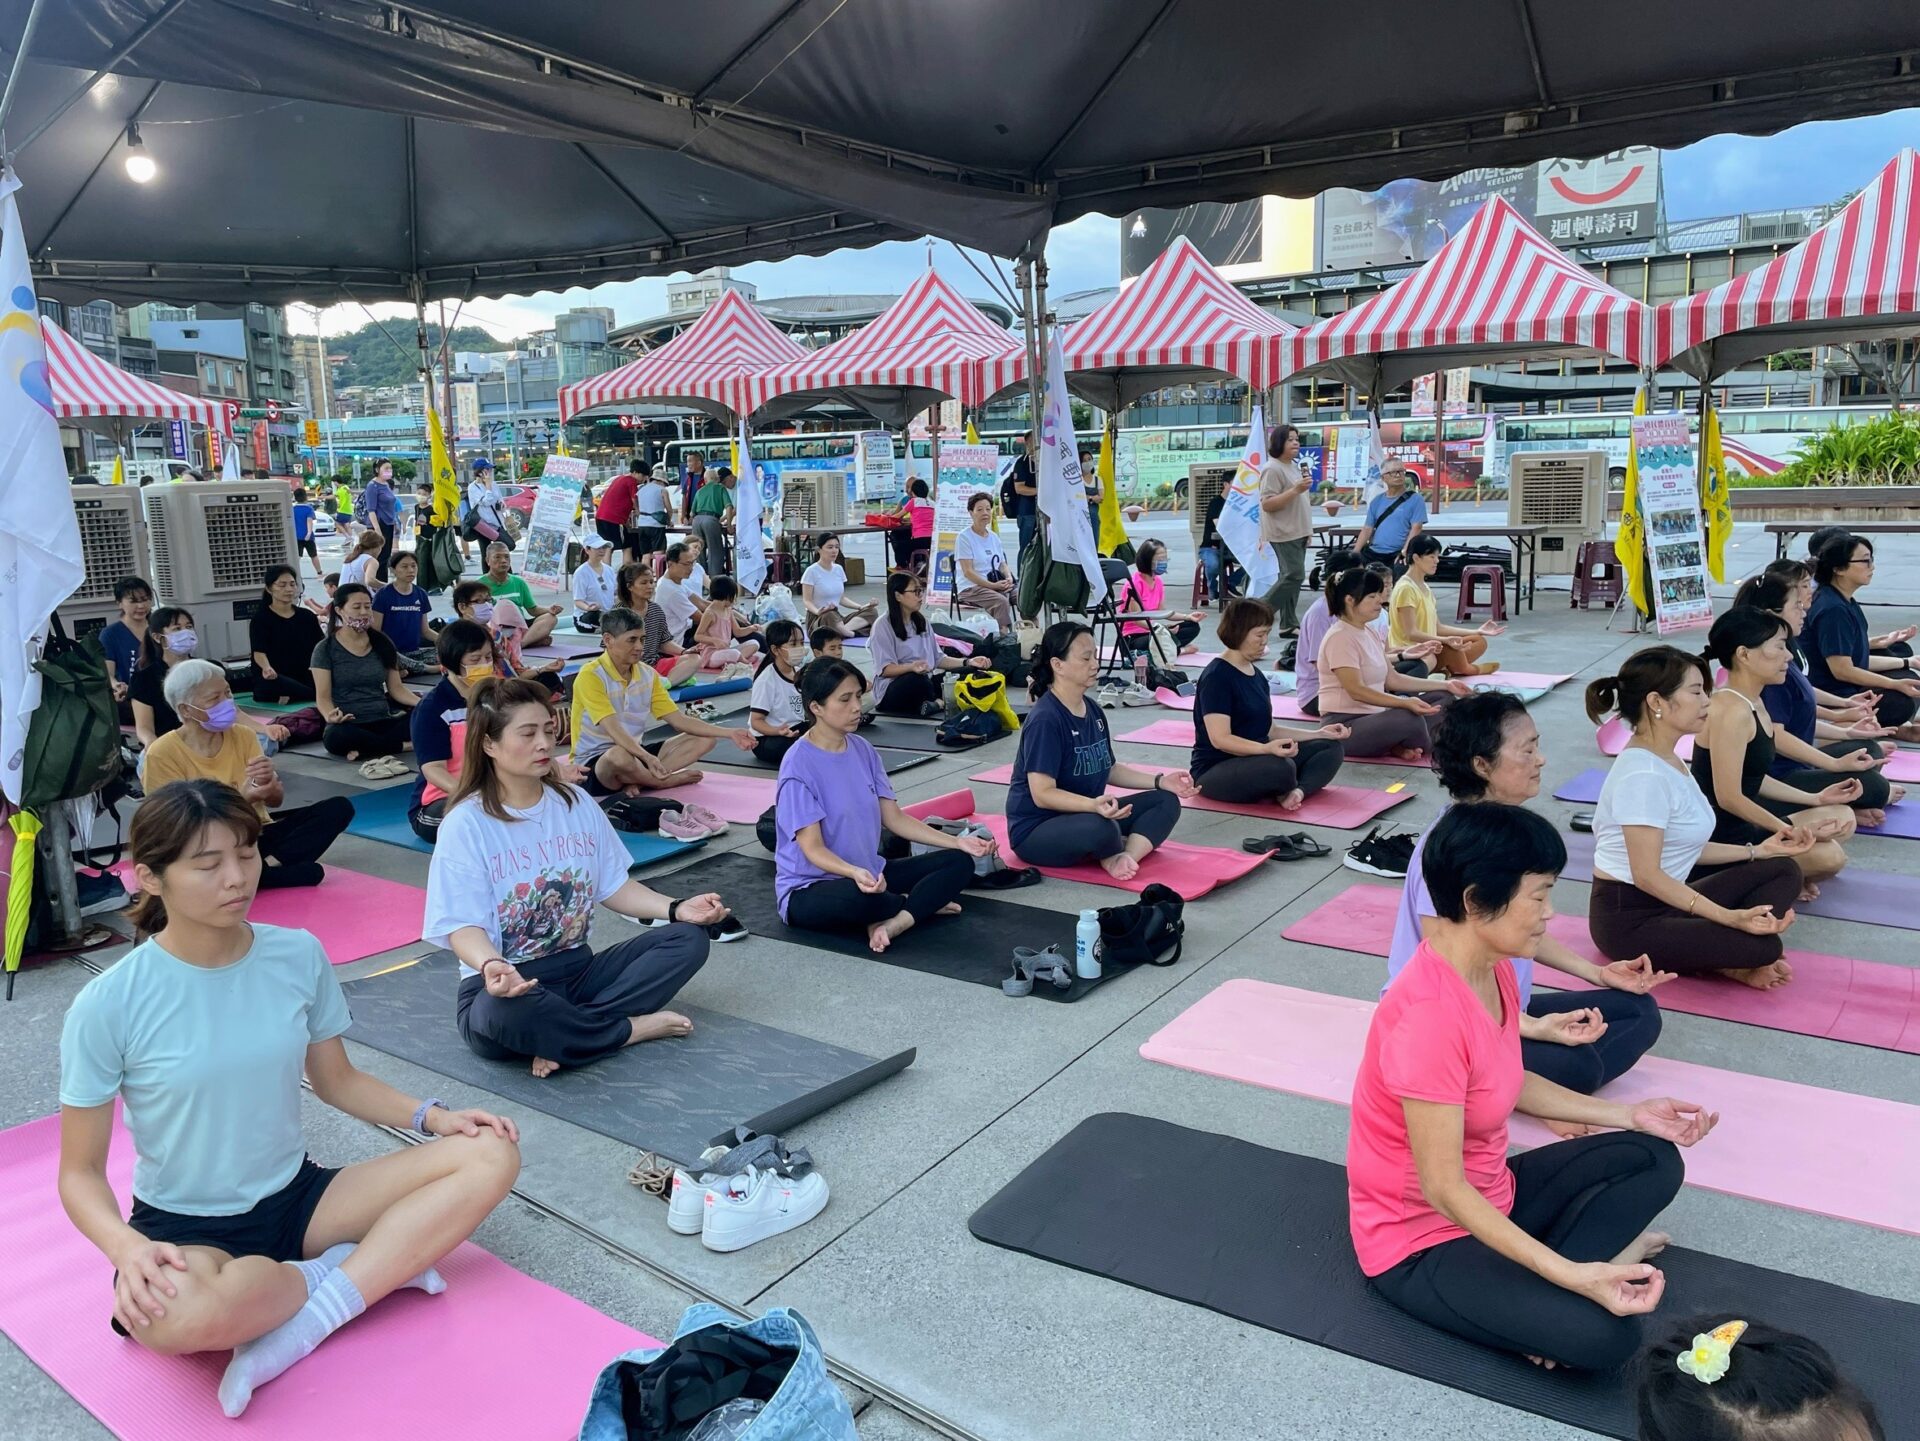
(774, 712)
(211, 745)
(438, 723)
(170, 640)
(507, 627)
(1145, 588)
(356, 678)
(282, 635)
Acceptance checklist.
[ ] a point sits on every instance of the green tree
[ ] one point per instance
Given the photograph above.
(372, 358)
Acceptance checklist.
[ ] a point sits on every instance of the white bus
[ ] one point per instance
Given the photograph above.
(1758, 440)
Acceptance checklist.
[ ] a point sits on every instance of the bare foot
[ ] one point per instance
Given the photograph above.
(1571, 1130)
(1870, 819)
(659, 1026)
(951, 908)
(882, 934)
(685, 776)
(1643, 1247)
(1122, 867)
(1762, 978)
(1406, 753)
(1809, 891)
(1487, 667)
(542, 1068)
(1896, 794)
(1293, 800)
(1542, 1361)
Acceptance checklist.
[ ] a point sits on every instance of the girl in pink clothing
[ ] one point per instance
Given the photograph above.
(917, 534)
(718, 635)
(1145, 588)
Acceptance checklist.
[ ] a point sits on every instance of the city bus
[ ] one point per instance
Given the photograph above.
(1758, 440)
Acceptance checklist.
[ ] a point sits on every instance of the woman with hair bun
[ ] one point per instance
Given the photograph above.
(1711, 1378)
(1662, 886)
(1387, 713)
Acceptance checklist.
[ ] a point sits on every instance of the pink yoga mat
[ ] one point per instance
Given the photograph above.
(366, 1381)
(1190, 870)
(1180, 733)
(1614, 734)
(1855, 1158)
(354, 915)
(1285, 707)
(731, 797)
(1342, 808)
(1865, 1003)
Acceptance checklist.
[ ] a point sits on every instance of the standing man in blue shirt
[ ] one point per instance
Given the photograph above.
(382, 509)
(303, 538)
(1394, 517)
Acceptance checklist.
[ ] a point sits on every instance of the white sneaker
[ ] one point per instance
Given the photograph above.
(751, 1207)
(1138, 695)
(1108, 696)
(687, 1201)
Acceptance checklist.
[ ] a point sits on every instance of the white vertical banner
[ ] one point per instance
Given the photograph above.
(1240, 513)
(1376, 459)
(40, 558)
(749, 532)
(1063, 490)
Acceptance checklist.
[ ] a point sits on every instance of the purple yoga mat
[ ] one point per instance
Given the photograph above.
(1874, 898)
(1583, 789)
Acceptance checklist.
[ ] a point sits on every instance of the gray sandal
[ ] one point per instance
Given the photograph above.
(1030, 965)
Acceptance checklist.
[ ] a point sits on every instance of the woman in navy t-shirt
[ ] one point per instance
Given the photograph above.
(1058, 811)
(1239, 755)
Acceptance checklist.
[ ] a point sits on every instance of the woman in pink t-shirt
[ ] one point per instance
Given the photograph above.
(1145, 588)
(916, 536)
(1386, 712)
(1544, 1253)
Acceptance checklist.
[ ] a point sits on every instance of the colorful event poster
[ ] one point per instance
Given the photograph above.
(1670, 509)
(965, 471)
(555, 503)
(873, 465)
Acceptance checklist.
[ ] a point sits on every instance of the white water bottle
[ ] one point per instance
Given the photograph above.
(1086, 946)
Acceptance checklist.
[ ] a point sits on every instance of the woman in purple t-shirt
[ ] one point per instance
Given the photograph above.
(833, 802)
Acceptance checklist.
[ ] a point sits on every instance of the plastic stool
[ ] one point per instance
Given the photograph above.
(1472, 605)
(1200, 595)
(1596, 576)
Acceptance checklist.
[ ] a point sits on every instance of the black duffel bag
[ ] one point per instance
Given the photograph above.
(1456, 558)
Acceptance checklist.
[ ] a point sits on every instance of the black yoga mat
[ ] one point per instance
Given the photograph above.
(1273, 1248)
(673, 1097)
(976, 945)
(303, 788)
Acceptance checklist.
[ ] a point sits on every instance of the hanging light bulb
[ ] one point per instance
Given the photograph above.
(140, 166)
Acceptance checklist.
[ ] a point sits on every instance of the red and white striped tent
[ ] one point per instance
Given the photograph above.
(706, 366)
(1855, 278)
(1497, 289)
(86, 387)
(1178, 322)
(931, 344)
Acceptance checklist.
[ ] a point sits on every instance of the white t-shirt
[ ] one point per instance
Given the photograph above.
(676, 604)
(650, 503)
(358, 571)
(530, 883)
(828, 585)
(985, 551)
(1643, 790)
(483, 502)
(777, 698)
(592, 589)
(697, 580)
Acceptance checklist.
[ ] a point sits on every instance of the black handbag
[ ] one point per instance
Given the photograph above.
(1149, 932)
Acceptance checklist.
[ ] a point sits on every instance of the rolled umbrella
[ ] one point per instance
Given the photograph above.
(26, 825)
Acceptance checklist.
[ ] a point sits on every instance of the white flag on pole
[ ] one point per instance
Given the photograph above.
(40, 558)
(1239, 525)
(230, 459)
(1063, 490)
(1376, 459)
(749, 544)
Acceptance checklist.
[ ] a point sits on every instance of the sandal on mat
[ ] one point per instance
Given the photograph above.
(1030, 965)
(385, 768)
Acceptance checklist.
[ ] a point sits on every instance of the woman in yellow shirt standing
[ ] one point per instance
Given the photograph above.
(1415, 618)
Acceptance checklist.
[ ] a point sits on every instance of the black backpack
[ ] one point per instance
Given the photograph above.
(73, 737)
(1150, 932)
(970, 728)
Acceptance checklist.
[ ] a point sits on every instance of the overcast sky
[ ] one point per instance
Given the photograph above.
(1807, 165)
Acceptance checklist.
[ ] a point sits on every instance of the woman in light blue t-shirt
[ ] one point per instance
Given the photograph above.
(237, 1240)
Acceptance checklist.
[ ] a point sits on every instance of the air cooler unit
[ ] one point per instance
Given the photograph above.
(212, 544)
(1204, 482)
(113, 544)
(813, 501)
(1564, 491)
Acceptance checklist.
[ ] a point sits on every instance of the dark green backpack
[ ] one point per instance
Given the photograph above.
(73, 739)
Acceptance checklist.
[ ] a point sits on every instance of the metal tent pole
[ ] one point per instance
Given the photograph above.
(1439, 438)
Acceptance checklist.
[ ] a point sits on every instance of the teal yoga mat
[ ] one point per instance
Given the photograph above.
(382, 816)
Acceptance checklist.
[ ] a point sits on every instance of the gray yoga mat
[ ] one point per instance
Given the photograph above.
(674, 1098)
(728, 754)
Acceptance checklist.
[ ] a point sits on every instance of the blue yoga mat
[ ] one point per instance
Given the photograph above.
(1583, 789)
(382, 816)
(712, 687)
(1903, 821)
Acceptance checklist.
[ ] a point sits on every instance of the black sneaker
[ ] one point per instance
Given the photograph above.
(1380, 855)
(729, 929)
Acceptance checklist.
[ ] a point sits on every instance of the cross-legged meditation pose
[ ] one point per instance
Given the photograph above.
(1662, 886)
(170, 642)
(983, 578)
(1733, 758)
(594, 581)
(823, 590)
(282, 635)
(774, 712)
(719, 636)
(907, 659)
(506, 624)
(503, 584)
(238, 1241)
(1314, 624)
(615, 698)
(438, 724)
(211, 745)
(1833, 729)
(1415, 616)
(1145, 588)
(1721, 1378)
(1239, 754)
(522, 859)
(1487, 748)
(1058, 809)
(1386, 712)
(1546, 1253)
(833, 802)
(1843, 655)
(661, 649)
(357, 684)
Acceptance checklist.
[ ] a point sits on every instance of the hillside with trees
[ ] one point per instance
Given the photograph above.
(373, 359)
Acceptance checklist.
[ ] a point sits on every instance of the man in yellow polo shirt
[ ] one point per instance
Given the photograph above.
(615, 698)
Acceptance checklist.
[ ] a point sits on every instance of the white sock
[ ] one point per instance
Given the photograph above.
(315, 1271)
(334, 1302)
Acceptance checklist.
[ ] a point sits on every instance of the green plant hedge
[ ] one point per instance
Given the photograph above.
(1881, 451)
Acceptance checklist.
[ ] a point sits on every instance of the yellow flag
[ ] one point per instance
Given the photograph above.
(1714, 499)
(1112, 533)
(446, 482)
(119, 470)
(1631, 543)
(973, 433)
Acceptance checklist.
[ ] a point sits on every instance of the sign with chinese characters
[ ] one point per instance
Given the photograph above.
(177, 439)
(555, 504)
(873, 465)
(965, 471)
(1670, 511)
(1612, 197)
(466, 410)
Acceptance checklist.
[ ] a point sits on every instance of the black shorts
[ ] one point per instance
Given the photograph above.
(613, 534)
(596, 787)
(308, 547)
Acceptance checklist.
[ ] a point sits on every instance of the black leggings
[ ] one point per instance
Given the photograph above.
(426, 819)
(919, 885)
(772, 749)
(282, 689)
(1184, 632)
(1633, 1025)
(1625, 921)
(1586, 1199)
(1896, 708)
(1245, 780)
(906, 694)
(1874, 785)
(1068, 840)
(386, 737)
(580, 1010)
(295, 840)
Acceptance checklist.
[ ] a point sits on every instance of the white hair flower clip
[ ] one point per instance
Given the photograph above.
(1710, 1355)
